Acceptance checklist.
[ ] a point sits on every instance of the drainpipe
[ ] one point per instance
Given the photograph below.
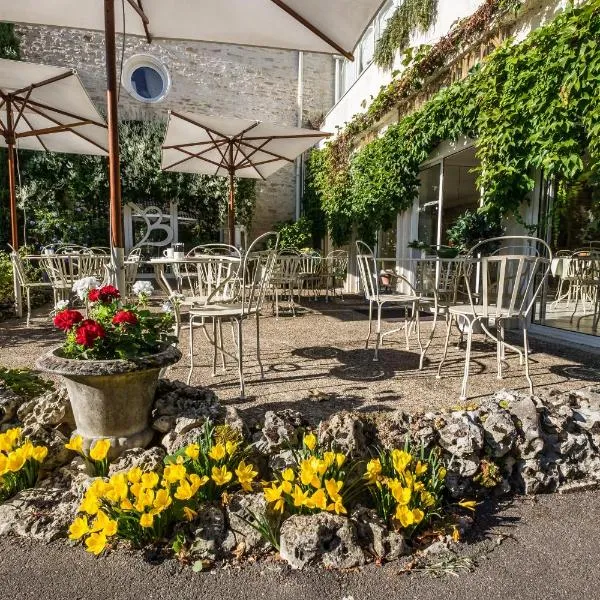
(300, 105)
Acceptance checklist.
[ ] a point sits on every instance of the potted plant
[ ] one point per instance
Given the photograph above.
(423, 247)
(110, 363)
(472, 227)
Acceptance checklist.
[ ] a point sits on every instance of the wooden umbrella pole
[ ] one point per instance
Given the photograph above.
(12, 182)
(231, 211)
(116, 220)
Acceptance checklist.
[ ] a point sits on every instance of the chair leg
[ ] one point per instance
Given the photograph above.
(222, 346)
(370, 323)
(418, 332)
(526, 357)
(449, 321)
(240, 358)
(463, 391)
(407, 324)
(500, 346)
(215, 345)
(378, 340)
(191, 341)
(262, 370)
(28, 295)
(431, 335)
(277, 302)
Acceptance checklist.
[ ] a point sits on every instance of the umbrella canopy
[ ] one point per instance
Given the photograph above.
(45, 108)
(232, 147)
(330, 26)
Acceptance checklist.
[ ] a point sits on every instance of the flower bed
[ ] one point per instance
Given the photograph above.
(357, 488)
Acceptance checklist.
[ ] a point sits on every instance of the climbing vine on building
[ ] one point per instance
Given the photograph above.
(533, 105)
(410, 17)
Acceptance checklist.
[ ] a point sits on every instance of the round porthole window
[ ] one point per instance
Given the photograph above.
(146, 78)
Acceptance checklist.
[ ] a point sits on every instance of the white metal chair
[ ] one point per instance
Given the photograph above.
(586, 271)
(60, 272)
(23, 280)
(244, 299)
(511, 277)
(334, 273)
(369, 277)
(284, 280)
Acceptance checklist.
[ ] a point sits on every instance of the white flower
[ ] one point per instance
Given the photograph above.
(142, 288)
(61, 305)
(167, 307)
(82, 286)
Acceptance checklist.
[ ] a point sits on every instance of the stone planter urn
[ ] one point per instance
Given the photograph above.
(111, 399)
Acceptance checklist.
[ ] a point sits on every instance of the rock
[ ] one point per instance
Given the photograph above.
(345, 433)
(525, 411)
(209, 531)
(587, 418)
(281, 429)
(457, 486)
(45, 512)
(461, 436)
(374, 537)
(147, 460)
(173, 442)
(321, 539)
(185, 407)
(581, 485)
(9, 404)
(233, 420)
(437, 549)
(282, 460)
(500, 433)
(49, 410)
(240, 509)
(54, 440)
(392, 429)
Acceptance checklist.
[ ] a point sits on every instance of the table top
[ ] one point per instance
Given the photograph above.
(198, 258)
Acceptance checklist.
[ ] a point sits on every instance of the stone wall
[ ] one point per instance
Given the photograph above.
(207, 78)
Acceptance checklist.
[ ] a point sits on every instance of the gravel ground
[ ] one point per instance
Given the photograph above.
(316, 363)
(531, 550)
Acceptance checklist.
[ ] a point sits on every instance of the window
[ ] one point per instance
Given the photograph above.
(146, 78)
(366, 49)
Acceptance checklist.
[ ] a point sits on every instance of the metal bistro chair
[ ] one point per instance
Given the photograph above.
(23, 280)
(245, 299)
(510, 281)
(60, 272)
(285, 278)
(369, 277)
(588, 283)
(335, 272)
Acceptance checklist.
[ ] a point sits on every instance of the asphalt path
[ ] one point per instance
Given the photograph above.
(532, 549)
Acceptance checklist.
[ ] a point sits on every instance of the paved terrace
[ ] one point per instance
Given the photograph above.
(316, 363)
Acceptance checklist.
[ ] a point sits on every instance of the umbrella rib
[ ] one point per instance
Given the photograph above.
(52, 120)
(47, 130)
(319, 134)
(190, 144)
(41, 105)
(191, 155)
(39, 139)
(242, 133)
(218, 147)
(271, 153)
(312, 28)
(44, 82)
(22, 109)
(254, 167)
(254, 151)
(195, 154)
(197, 124)
(139, 9)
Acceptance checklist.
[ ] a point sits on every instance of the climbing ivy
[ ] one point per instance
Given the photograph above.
(533, 105)
(411, 16)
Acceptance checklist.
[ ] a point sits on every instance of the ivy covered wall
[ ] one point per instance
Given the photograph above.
(530, 106)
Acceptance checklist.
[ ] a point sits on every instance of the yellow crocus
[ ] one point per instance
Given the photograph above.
(273, 496)
(420, 469)
(147, 520)
(3, 462)
(75, 444)
(135, 475)
(337, 507)
(373, 470)
(15, 461)
(340, 459)
(149, 480)
(409, 517)
(246, 474)
(104, 524)
(329, 458)
(96, 543)
(197, 482)
(189, 514)
(126, 504)
(5, 444)
(100, 449)
(184, 491)
(192, 451)
(27, 449)
(427, 498)
(318, 500)
(287, 474)
(90, 504)
(400, 460)
(299, 496)
(174, 473)
(287, 487)
(162, 501)
(468, 504)
(308, 475)
(39, 453)
(99, 487)
(310, 441)
(418, 515)
(231, 447)
(401, 494)
(217, 452)
(221, 476)
(333, 488)
(79, 527)
(442, 473)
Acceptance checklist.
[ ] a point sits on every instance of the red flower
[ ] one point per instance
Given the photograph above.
(88, 332)
(105, 294)
(125, 317)
(65, 319)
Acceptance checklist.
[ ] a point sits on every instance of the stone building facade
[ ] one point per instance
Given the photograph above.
(207, 78)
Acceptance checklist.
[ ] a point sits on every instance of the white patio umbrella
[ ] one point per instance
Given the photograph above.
(329, 26)
(232, 148)
(45, 108)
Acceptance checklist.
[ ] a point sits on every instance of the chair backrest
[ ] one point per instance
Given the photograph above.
(19, 268)
(59, 269)
(288, 263)
(511, 276)
(91, 265)
(337, 263)
(216, 249)
(367, 270)
(438, 278)
(257, 269)
(134, 255)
